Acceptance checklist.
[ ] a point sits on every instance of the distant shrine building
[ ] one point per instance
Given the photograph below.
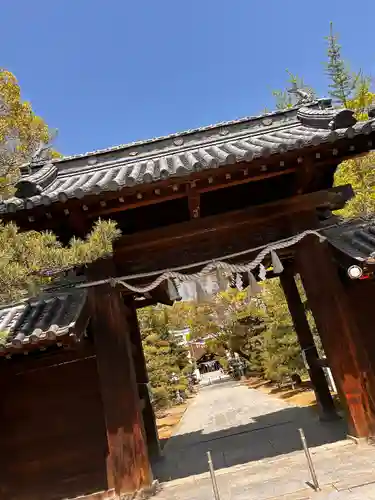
(76, 418)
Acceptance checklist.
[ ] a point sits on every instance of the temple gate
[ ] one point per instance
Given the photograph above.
(182, 199)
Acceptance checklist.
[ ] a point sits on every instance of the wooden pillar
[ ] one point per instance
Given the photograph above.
(306, 340)
(338, 332)
(128, 468)
(361, 295)
(149, 420)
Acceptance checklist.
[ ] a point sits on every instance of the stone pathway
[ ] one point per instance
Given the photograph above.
(256, 450)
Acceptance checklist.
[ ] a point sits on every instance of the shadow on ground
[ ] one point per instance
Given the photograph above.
(266, 436)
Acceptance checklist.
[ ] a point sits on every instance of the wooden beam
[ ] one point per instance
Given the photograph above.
(78, 224)
(198, 247)
(186, 191)
(212, 237)
(305, 175)
(247, 180)
(330, 198)
(139, 304)
(194, 201)
(361, 295)
(149, 419)
(136, 204)
(307, 343)
(128, 467)
(338, 331)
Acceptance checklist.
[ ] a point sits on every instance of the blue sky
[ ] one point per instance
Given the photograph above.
(107, 72)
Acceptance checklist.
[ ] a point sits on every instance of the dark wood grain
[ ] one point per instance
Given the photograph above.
(307, 343)
(52, 434)
(338, 331)
(149, 420)
(128, 467)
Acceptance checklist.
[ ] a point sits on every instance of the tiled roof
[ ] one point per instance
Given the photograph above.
(183, 154)
(356, 239)
(38, 323)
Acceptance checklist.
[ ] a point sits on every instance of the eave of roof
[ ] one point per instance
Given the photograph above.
(355, 239)
(180, 155)
(41, 322)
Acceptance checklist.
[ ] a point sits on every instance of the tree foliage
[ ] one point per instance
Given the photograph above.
(21, 132)
(362, 97)
(352, 90)
(164, 357)
(360, 173)
(24, 255)
(342, 81)
(260, 331)
(281, 353)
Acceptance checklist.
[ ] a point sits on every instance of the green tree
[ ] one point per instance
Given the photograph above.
(281, 356)
(164, 357)
(22, 133)
(23, 256)
(342, 81)
(352, 91)
(360, 173)
(362, 98)
(217, 321)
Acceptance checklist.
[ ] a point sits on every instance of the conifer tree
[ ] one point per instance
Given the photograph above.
(281, 352)
(164, 357)
(342, 82)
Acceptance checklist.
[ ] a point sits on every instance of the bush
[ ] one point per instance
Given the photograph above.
(161, 397)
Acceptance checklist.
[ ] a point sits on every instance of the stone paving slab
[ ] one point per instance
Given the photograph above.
(286, 478)
(257, 453)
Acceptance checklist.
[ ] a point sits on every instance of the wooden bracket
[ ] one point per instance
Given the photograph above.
(304, 175)
(194, 202)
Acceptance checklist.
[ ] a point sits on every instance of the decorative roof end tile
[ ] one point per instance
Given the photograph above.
(331, 119)
(35, 183)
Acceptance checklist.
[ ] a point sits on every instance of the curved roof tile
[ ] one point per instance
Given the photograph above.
(28, 326)
(180, 155)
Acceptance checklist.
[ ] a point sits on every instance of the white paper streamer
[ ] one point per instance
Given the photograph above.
(201, 296)
(276, 263)
(173, 290)
(254, 288)
(262, 272)
(239, 284)
(222, 281)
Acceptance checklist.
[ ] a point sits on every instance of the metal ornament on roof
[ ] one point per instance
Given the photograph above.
(43, 151)
(304, 95)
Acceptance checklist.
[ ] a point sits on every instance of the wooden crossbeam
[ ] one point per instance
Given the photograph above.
(333, 199)
(211, 237)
